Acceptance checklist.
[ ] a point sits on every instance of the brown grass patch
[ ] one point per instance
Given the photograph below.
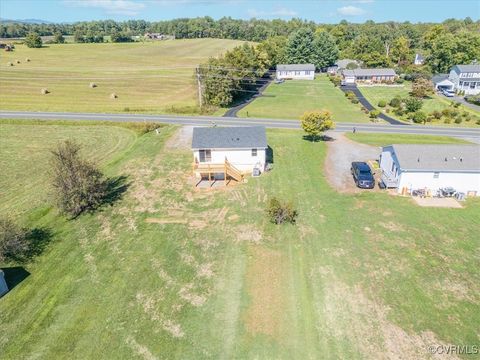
(350, 314)
(266, 287)
(248, 233)
(165, 221)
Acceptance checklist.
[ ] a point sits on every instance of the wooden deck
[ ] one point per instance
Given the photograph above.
(209, 170)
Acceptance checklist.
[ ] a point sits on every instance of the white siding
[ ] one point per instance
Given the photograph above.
(242, 159)
(296, 75)
(463, 182)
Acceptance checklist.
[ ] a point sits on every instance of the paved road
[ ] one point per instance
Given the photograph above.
(468, 133)
(366, 104)
(461, 100)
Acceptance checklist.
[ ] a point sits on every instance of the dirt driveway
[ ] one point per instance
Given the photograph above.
(340, 155)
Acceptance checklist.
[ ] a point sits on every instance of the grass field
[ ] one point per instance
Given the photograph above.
(435, 102)
(292, 98)
(377, 139)
(147, 77)
(170, 272)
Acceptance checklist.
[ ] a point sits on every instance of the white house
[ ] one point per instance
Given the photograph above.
(466, 78)
(229, 152)
(296, 71)
(432, 167)
(419, 59)
(3, 284)
(368, 76)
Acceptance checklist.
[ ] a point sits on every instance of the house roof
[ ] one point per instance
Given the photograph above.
(419, 57)
(246, 137)
(439, 77)
(370, 72)
(436, 157)
(466, 68)
(342, 64)
(295, 67)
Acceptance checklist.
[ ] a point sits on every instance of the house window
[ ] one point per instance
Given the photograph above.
(436, 175)
(297, 72)
(393, 167)
(205, 156)
(254, 152)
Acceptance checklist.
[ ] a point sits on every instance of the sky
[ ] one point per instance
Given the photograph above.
(321, 11)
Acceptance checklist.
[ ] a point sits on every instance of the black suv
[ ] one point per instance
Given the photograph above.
(362, 175)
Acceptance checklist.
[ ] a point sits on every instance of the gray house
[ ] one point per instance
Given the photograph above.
(295, 71)
(466, 78)
(342, 65)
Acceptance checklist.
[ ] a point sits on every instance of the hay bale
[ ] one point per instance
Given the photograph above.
(113, 96)
(17, 61)
(45, 91)
(27, 59)
(93, 85)
(9, 64)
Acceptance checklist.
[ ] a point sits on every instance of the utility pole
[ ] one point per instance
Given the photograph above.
(199, 84)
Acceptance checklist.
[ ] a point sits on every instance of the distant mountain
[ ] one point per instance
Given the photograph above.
(25, 21)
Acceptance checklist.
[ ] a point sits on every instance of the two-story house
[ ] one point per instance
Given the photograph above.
(466, 78)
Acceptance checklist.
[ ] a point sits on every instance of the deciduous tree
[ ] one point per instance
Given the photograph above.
(33, 40)
(316, 122)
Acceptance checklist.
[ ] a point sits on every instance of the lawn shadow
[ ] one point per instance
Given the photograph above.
(269, 155)
(38, 239)
(14, 276)
(116, 187)
(318, 138)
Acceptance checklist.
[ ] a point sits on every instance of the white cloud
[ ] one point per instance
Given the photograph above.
(116, 7)
(281, 12)
(361, 1)
(350, 11)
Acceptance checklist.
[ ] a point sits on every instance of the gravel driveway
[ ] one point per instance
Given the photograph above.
(340, 155)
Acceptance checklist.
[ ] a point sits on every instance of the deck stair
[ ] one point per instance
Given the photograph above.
(226, 168)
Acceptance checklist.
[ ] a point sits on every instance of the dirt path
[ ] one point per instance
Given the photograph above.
(340, 155)
(181, 140)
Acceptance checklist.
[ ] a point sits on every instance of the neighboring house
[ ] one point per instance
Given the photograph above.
(3, 284)
(228, 152)
(466, 78)
(431, 167)
(341, 65)
(296, 71)
(441, 82)
(158, 36)
(419, 59)
(368, 76)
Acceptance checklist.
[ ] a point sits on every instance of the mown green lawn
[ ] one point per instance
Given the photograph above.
(378, 139)
(435, 102)
(292, 98)
(173, 272)
(147, 77)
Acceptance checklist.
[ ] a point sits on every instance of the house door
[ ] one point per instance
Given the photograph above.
(205, 156)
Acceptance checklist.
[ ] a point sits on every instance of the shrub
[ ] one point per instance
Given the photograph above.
(413, 104)
(436, 114)
(395, 102)
(447, 120)
(399, 112)
(458, 120)
(349, 94)
(354, 101)
(13, 240)
(281, 212)
(336, 80)
(419, 117)
(399, 81)
(78, 184)
(374, 114)
(382, 103)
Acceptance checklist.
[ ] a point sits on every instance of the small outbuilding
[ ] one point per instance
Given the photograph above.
(295, 71)
(226, 153)
(419, 59)
(409, 167)
(3, 284)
